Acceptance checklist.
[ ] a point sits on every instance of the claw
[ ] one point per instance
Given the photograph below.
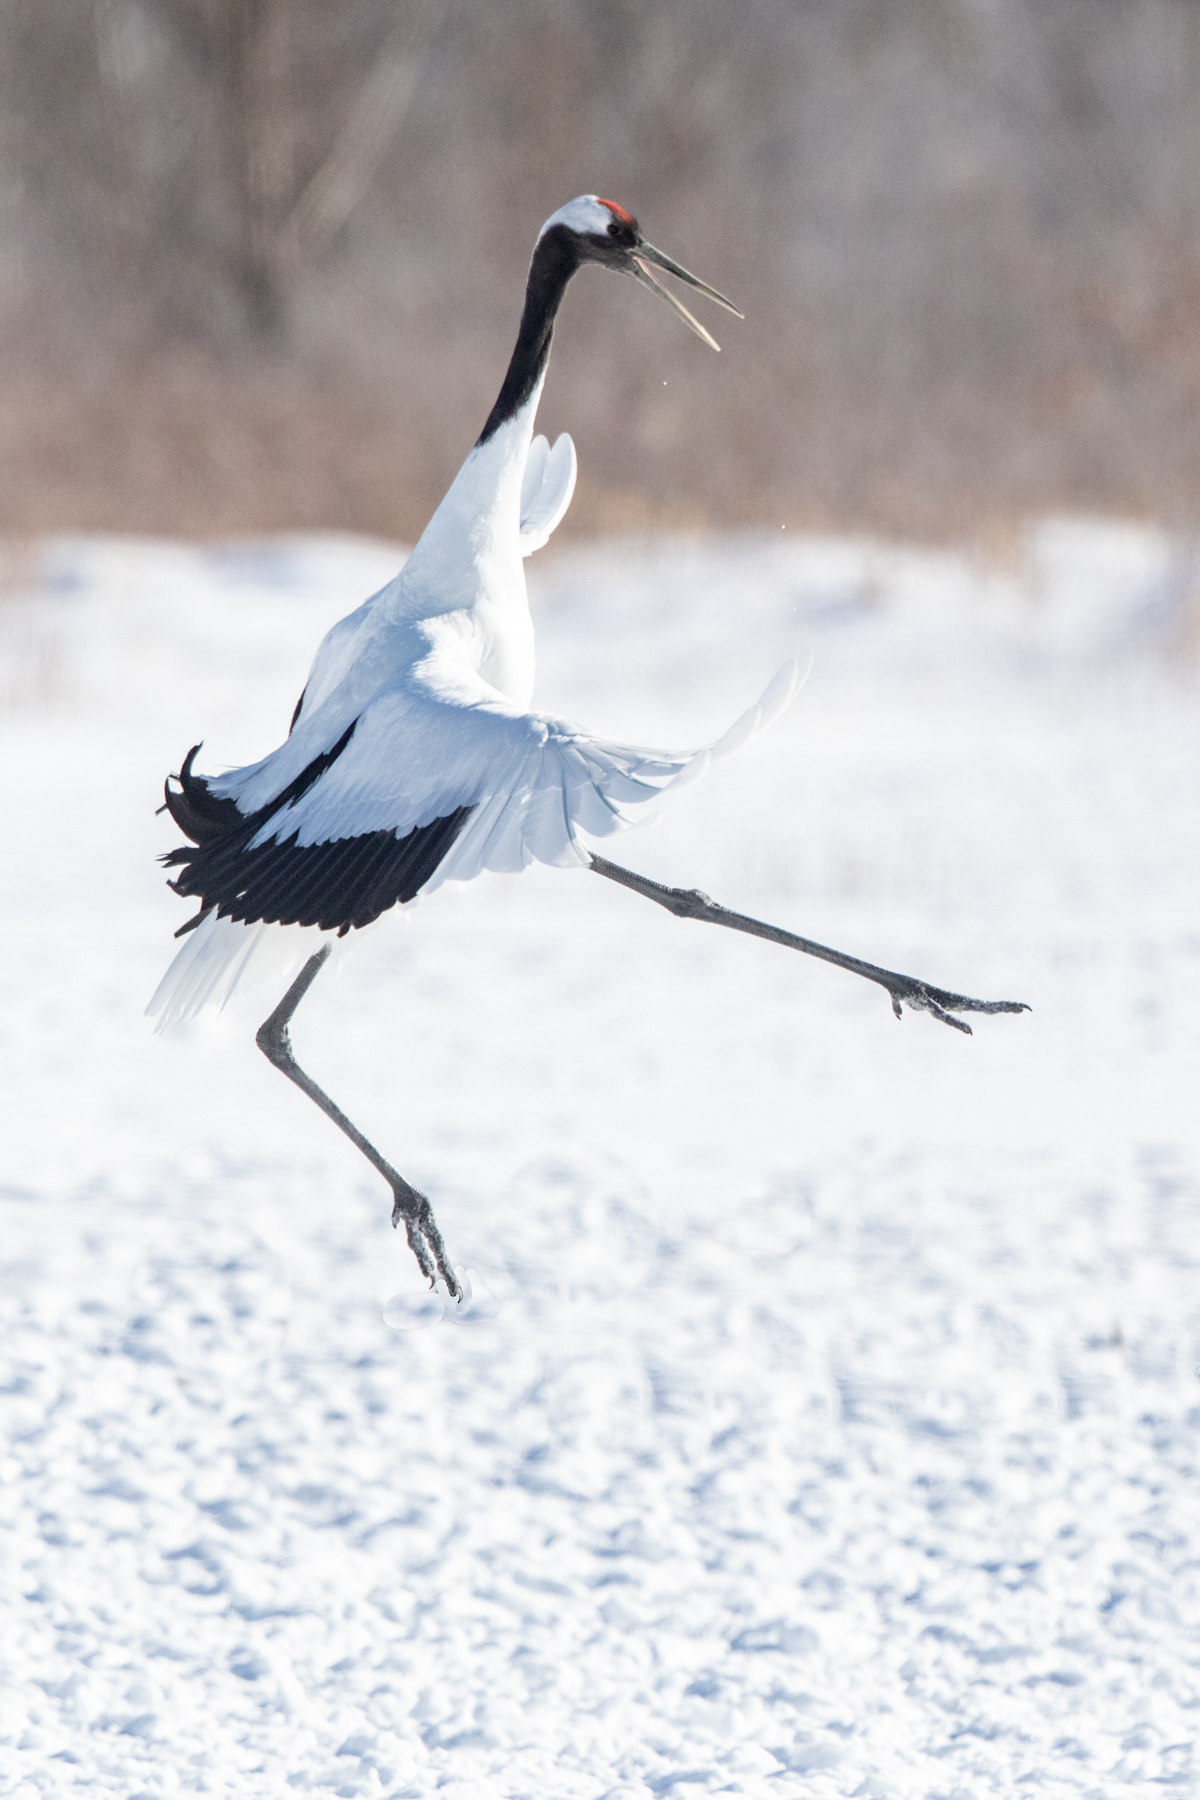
(943, 1006)
(403, 1207)
(949, 1019)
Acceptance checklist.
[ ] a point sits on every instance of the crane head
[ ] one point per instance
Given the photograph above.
(603, 232)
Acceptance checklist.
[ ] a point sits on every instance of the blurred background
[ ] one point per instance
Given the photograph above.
(263, 259)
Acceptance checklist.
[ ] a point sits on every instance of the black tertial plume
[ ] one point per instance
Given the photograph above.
(199, 814)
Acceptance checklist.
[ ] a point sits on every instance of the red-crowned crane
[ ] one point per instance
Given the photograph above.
(413, 757)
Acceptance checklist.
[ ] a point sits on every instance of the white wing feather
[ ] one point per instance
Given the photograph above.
(546, 490)
(536, 784)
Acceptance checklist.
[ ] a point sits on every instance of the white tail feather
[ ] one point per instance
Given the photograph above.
(223, 957)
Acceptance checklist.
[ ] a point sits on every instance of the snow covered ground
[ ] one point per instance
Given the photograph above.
(836, 1432)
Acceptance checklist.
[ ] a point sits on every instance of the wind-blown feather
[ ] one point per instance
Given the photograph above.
(546, 490)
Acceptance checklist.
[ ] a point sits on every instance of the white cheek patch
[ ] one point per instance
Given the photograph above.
(583, 215)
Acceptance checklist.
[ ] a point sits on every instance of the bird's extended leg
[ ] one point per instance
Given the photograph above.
(905, 990)
(424, 1238)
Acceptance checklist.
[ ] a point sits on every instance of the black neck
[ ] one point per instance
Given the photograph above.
(554, 262)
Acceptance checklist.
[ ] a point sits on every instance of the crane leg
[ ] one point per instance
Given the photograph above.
(424, 1238)
(905, 990)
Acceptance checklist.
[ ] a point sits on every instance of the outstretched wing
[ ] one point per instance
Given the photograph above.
(546, 490)
(422, 787)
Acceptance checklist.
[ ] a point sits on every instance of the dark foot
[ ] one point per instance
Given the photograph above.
(918, 997)
(424, 1238)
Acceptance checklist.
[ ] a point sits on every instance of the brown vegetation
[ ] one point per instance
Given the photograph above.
(262, 259)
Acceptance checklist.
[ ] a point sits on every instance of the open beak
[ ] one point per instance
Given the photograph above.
(646, 254)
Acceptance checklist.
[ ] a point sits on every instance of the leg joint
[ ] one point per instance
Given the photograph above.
(274, 1043)
(691, 903)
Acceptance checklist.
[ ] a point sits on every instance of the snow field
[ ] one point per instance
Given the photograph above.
(835, 1432)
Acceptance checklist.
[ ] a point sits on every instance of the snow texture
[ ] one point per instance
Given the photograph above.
(823, 1418)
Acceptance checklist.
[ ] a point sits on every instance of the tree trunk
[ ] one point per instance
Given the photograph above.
(260, 133)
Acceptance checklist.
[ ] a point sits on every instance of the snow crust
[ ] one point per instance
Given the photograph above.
(824, 1419)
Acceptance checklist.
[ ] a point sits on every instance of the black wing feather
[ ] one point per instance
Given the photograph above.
(343, 884)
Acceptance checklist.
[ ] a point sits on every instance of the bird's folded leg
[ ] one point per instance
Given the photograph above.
(905, 990)
(424, 1238)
